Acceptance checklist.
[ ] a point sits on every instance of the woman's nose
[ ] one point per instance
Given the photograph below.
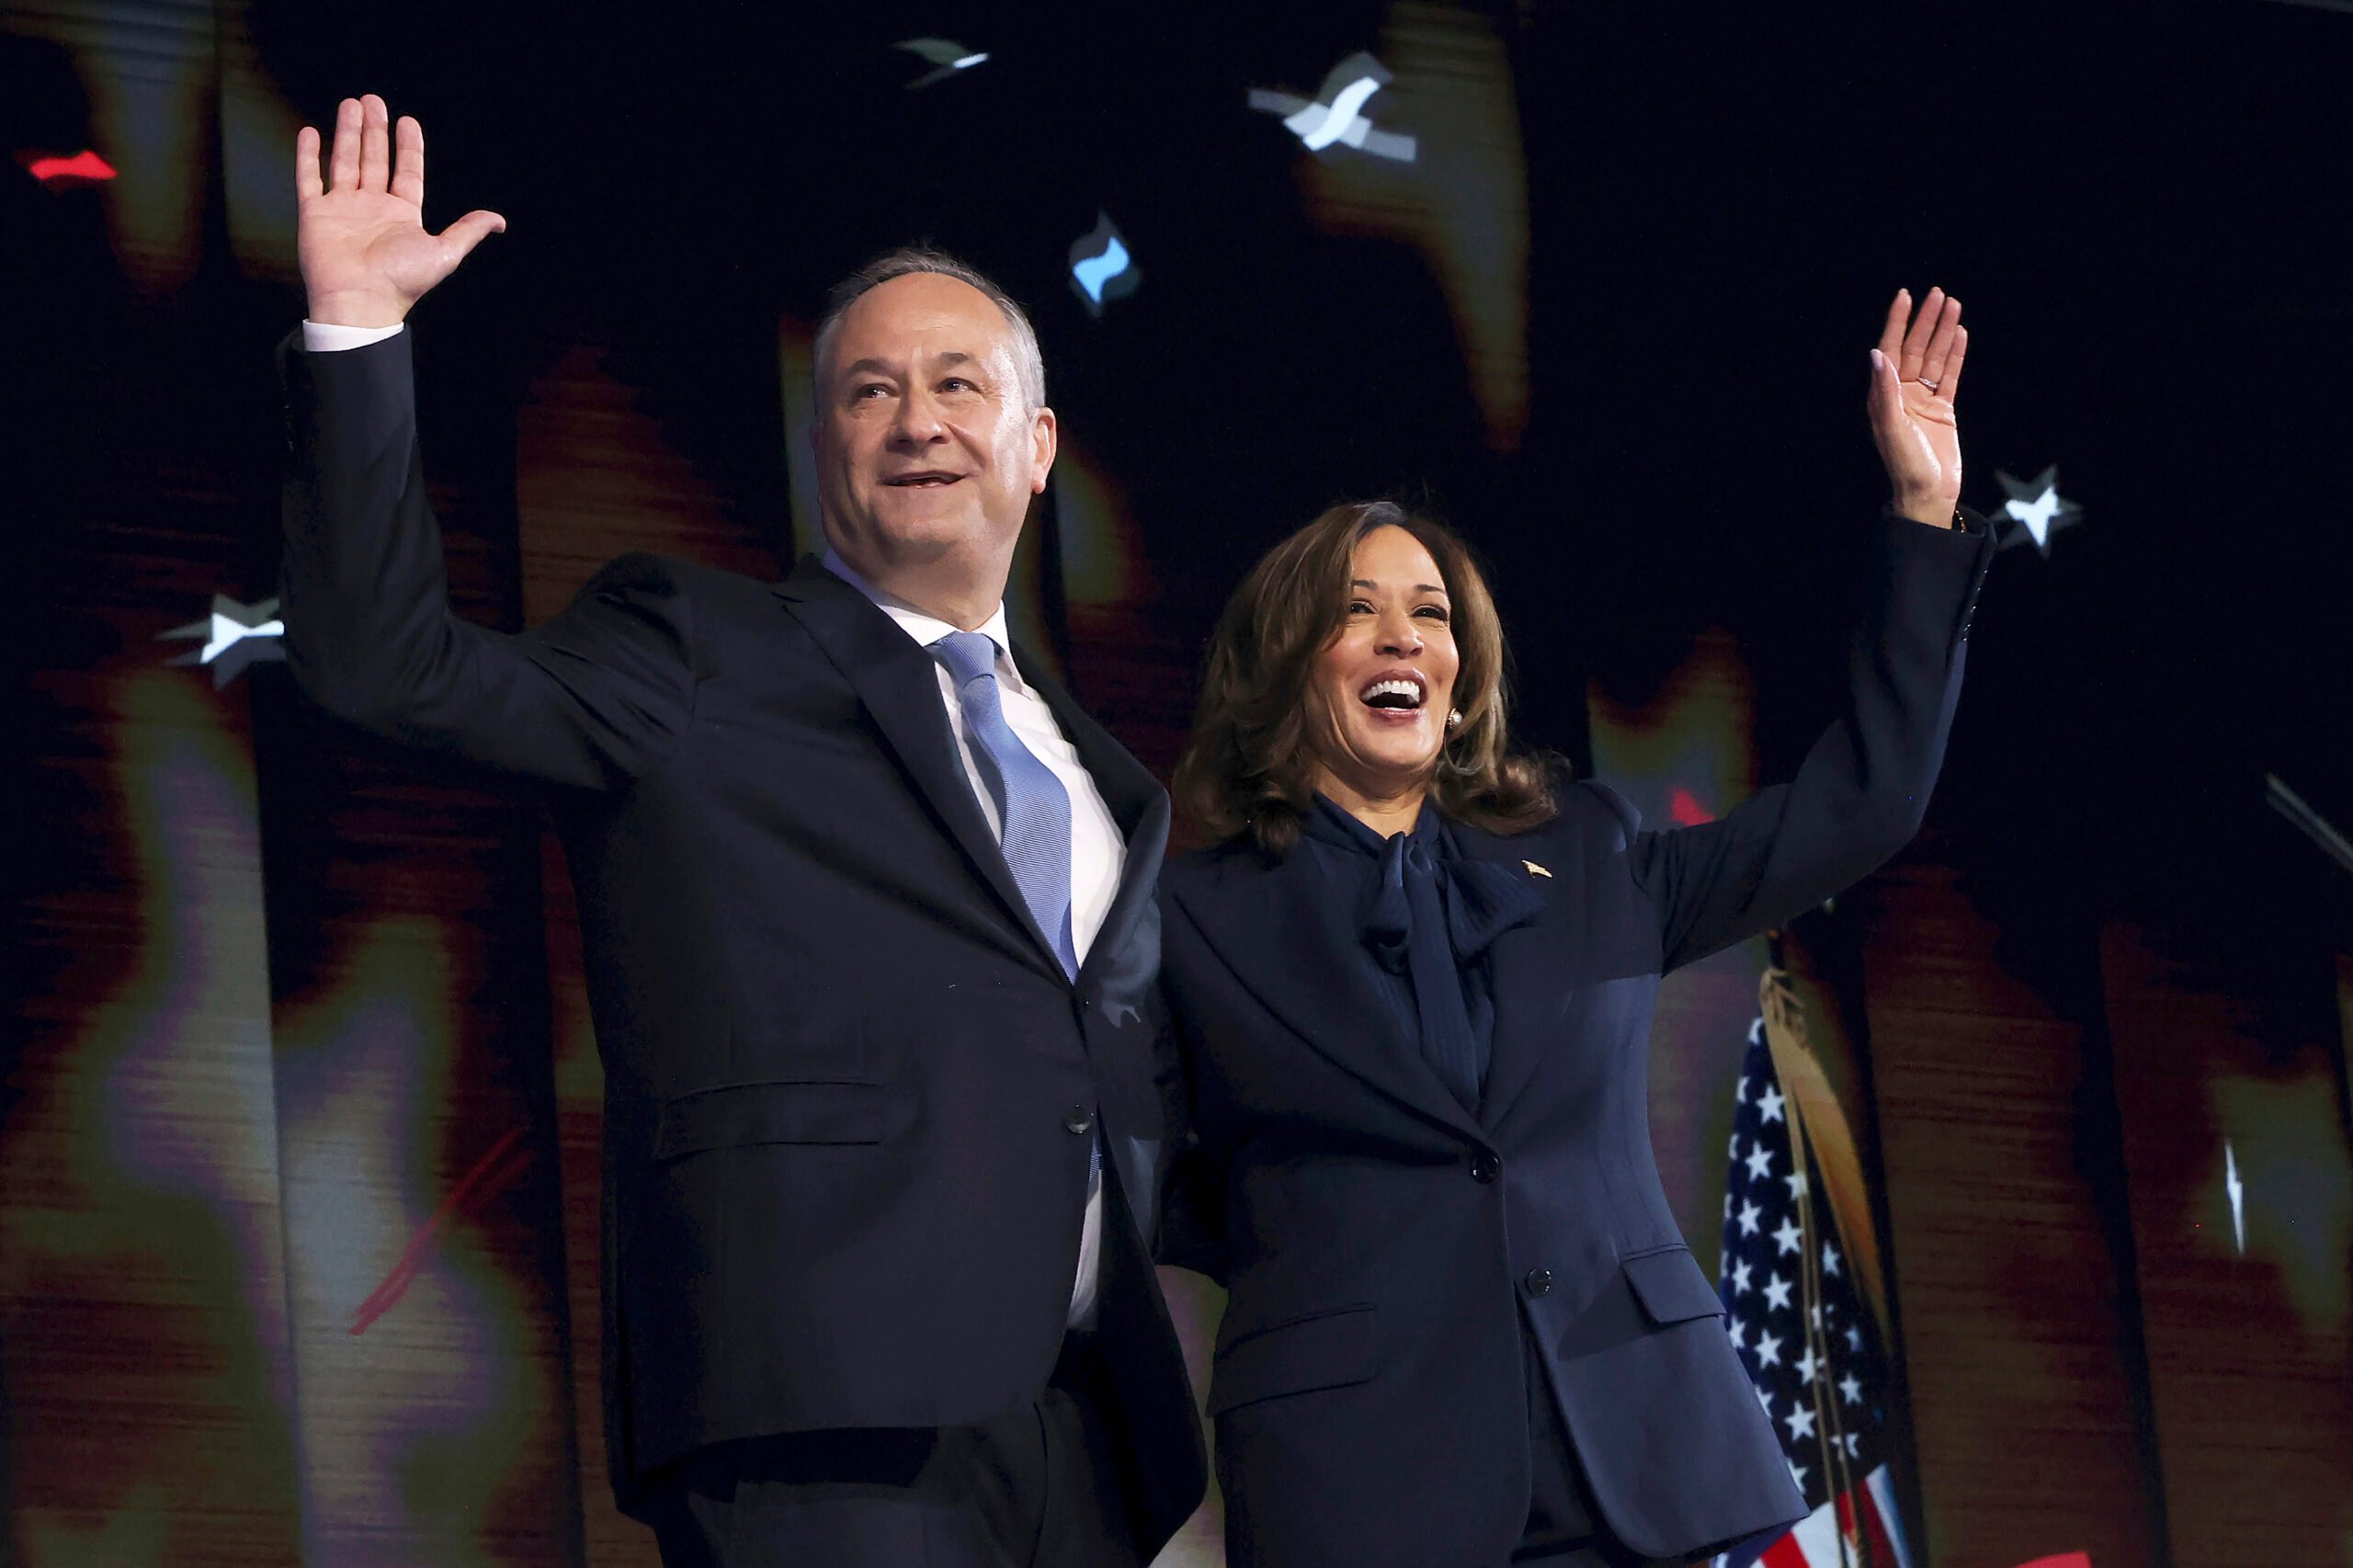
(1398, 635)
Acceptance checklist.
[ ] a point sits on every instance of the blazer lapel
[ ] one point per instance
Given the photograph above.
(1290, 940)
(1139, 805)
(897, 683)
(1530, 969)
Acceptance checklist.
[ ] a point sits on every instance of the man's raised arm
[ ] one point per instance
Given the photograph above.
(597, 694)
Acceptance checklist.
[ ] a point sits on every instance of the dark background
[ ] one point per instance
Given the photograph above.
(2104, 957)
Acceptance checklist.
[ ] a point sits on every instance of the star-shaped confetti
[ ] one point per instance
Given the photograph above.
(2037, 507)
(1334, 118)
(1101, 268)
(235, 635)
(946, 55)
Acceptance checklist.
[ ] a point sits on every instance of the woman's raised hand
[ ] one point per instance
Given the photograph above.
(1916, 371)
(360, 231)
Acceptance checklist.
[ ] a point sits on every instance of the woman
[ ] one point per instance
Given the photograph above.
(1413, 986)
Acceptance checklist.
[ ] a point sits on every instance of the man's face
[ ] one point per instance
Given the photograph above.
(926, 455)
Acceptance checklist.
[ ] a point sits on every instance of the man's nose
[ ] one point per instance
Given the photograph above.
(918, 422)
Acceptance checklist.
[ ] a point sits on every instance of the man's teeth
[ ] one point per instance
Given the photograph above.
(1411, 694)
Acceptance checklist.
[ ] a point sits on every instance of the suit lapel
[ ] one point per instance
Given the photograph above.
(1139, 805)
(897, 683)
(1289, 938)
(1529, 969)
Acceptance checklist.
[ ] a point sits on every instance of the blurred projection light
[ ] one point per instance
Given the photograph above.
(2036, 505)
(1101, 268)
(85, 167)
(1685, 807)
(946, 55)
(234, 635)
(2231, 1185)
(1336, 117)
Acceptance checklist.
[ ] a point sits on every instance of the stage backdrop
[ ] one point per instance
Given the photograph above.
(298, 1137)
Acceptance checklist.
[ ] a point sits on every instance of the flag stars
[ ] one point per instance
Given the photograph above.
(1749, 1216)
(1776, 1293)
(1799, 1421)
(1759, 1163)
(1770, 1104)
(1740, 1273)
(1850, 1389)
(1854, 1338)
(1795, 1181)
(1806, 1367)
(1789, 1236)
(1769, 1350)
(1829, 1260)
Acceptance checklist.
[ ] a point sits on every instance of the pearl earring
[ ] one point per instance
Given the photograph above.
(1454, 719)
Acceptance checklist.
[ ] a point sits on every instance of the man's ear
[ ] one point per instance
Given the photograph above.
(1046, 436)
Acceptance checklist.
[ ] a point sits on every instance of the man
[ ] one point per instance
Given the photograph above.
(868, 916)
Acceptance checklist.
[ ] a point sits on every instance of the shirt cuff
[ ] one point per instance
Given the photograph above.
(324, 337)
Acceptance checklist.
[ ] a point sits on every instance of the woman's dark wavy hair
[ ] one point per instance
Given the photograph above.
(1249, 764)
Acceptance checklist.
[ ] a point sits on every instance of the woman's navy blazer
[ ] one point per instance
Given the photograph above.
(1383, 1248)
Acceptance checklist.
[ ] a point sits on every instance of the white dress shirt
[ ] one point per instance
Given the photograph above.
(1098, 853)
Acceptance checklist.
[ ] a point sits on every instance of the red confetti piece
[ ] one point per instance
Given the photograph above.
(85, 166)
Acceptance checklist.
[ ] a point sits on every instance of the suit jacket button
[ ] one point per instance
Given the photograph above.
(1485, 1168)
(1079, 1120)
(1539, 1281)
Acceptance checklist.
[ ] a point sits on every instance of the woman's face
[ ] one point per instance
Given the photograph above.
(1383, 686)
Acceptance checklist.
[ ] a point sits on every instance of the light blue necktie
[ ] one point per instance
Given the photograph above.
(1032, 804)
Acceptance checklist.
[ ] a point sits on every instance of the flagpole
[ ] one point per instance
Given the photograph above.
(1829, 1432)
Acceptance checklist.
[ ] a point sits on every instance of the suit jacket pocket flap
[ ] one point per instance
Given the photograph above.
(1328, 1350)
(770, 1113)
(1669, 1285)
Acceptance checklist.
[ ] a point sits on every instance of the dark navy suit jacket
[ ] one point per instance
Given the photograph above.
(849, 1091)
(1385, 1250)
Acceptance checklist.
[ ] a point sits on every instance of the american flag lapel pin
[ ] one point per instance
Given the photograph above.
(1534, 870)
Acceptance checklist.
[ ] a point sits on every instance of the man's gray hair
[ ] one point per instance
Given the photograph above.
(907, 259)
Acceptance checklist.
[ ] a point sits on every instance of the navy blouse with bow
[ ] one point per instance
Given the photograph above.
(1426, 915)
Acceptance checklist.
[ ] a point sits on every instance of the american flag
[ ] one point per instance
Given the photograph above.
(1808, 1342)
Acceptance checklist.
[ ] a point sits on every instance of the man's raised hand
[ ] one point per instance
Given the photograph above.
(1916, 371)
(360, 231)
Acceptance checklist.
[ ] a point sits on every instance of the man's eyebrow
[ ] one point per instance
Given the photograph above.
(867, 367)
